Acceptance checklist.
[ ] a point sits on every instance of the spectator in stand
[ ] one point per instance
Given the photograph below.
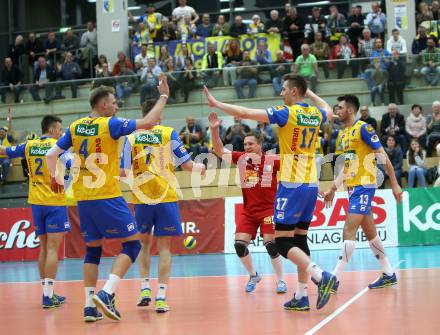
(433, 128)
(233, 56)
(366, 48)
(294, 26)
(125, 83)
(183, 10)
(149, 81)
(221, 28)
(192, 137)
(416, 125)
(238, 27)
(104, 77)
(11, 80)
(212, 63)
(236, 133)
(140, 38)
(420, 41)
(256, 26)
(89, 47)
(395, 154)
(365, 116)
(168, 31)
(431, 63)
(6, 140)
(142, 57)
(152, 20)
(287, 7)
(205, 28)
(416, 165)
(423, 13)
(435, 10)
(379, 79)
(396, 78)
(380, 54)
(274, 24)
(263, 57)
(306, 66)
(279, 69)
(180, 57)
(248, 75)
(317, 23)
(188, 79)
(321, 51)
(122, 59)
(102, 59)
(376, 21)
(44, 76)
(336, 25)
(16, 50)
(265, 131)
(187, 29)
(173, 79)
(396, 42)
(393, 123)
(70, 42)
(33, 48)
(437, 182)
(344, 52)
(163, 57)
(68, 71)
(51, 47)
(355, 22)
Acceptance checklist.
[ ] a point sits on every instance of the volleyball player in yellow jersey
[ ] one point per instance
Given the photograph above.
(360, 145)
(297, 192)
(102, 210)
(48, 208)
(150, 156)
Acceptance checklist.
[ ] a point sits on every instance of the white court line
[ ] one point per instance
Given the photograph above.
(340, 309)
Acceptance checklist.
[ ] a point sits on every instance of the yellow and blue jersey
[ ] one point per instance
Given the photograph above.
(298, 136)
(6, 142)
(35, 151)
(359, 142)
(95, 169)
(152, 156)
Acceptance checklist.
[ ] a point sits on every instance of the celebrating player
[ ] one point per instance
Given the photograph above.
(360, 146)
(297, 192)
(103, 212)
(149, 156)
(48, 208)
(258, 176)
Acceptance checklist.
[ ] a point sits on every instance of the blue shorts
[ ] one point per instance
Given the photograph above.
(50, 219)
(163, 217)
(109, 218)
(360, 198)
(295, 204)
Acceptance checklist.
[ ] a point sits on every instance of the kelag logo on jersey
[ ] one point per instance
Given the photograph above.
(38, 151)
(308, 120)
(86, 130)
(148, 138)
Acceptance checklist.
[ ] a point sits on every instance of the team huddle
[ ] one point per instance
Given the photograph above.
(279, 192)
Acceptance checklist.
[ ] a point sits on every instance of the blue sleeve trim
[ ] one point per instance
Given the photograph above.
(16, 151)
(324, 115)
(278, 115)
(119, 127)
(369, 136)
(65, 141)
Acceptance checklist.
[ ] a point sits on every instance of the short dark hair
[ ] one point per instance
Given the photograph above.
(147, 106)
(350, 100)
(417, 106)
(100, 93)
(294, 80)
(48, 121)
(259, 138)
(394, 30)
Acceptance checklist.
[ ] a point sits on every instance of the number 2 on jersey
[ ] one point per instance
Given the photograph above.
(39, 162)
(304, 137)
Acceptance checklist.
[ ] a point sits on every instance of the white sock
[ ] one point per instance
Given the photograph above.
(111, 283)
(315, 271)
(301, 290)
(43, 286)
(162, 291)
(145, 284)
(378, 250)
(346, 252)
(89, 291)
(277, 264)
(247, 263)
(49, 284)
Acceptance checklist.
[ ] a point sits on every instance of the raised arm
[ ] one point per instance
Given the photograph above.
(219, 149)
(9, 119)
(319, 102)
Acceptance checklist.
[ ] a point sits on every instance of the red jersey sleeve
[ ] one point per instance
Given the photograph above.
(273, 160)
(236, 156)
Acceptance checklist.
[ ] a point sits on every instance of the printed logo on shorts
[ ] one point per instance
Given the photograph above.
(130, 226)
(280, 216)
(66, 225)
(268, 220)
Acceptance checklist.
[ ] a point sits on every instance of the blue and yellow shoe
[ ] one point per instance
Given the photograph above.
(325, 288)
(144, 298)
(106, 302)
(91, 314)
(161, 306)
(300, 305)
(335, 288)
(384, 281)
(60, 298)
(281, 287)
(252, 283)
(50, 302)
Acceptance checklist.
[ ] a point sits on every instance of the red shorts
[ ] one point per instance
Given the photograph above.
(250, 225)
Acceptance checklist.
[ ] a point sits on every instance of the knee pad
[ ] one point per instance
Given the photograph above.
(284, 244)
(241, 248)
(271, 248)
(303, 225)
(93, 255)
(301, 243)
(131, 249)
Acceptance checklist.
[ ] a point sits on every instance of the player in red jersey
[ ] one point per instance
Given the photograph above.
(258, 177)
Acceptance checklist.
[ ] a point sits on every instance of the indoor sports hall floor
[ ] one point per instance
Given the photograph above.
(206, 295)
